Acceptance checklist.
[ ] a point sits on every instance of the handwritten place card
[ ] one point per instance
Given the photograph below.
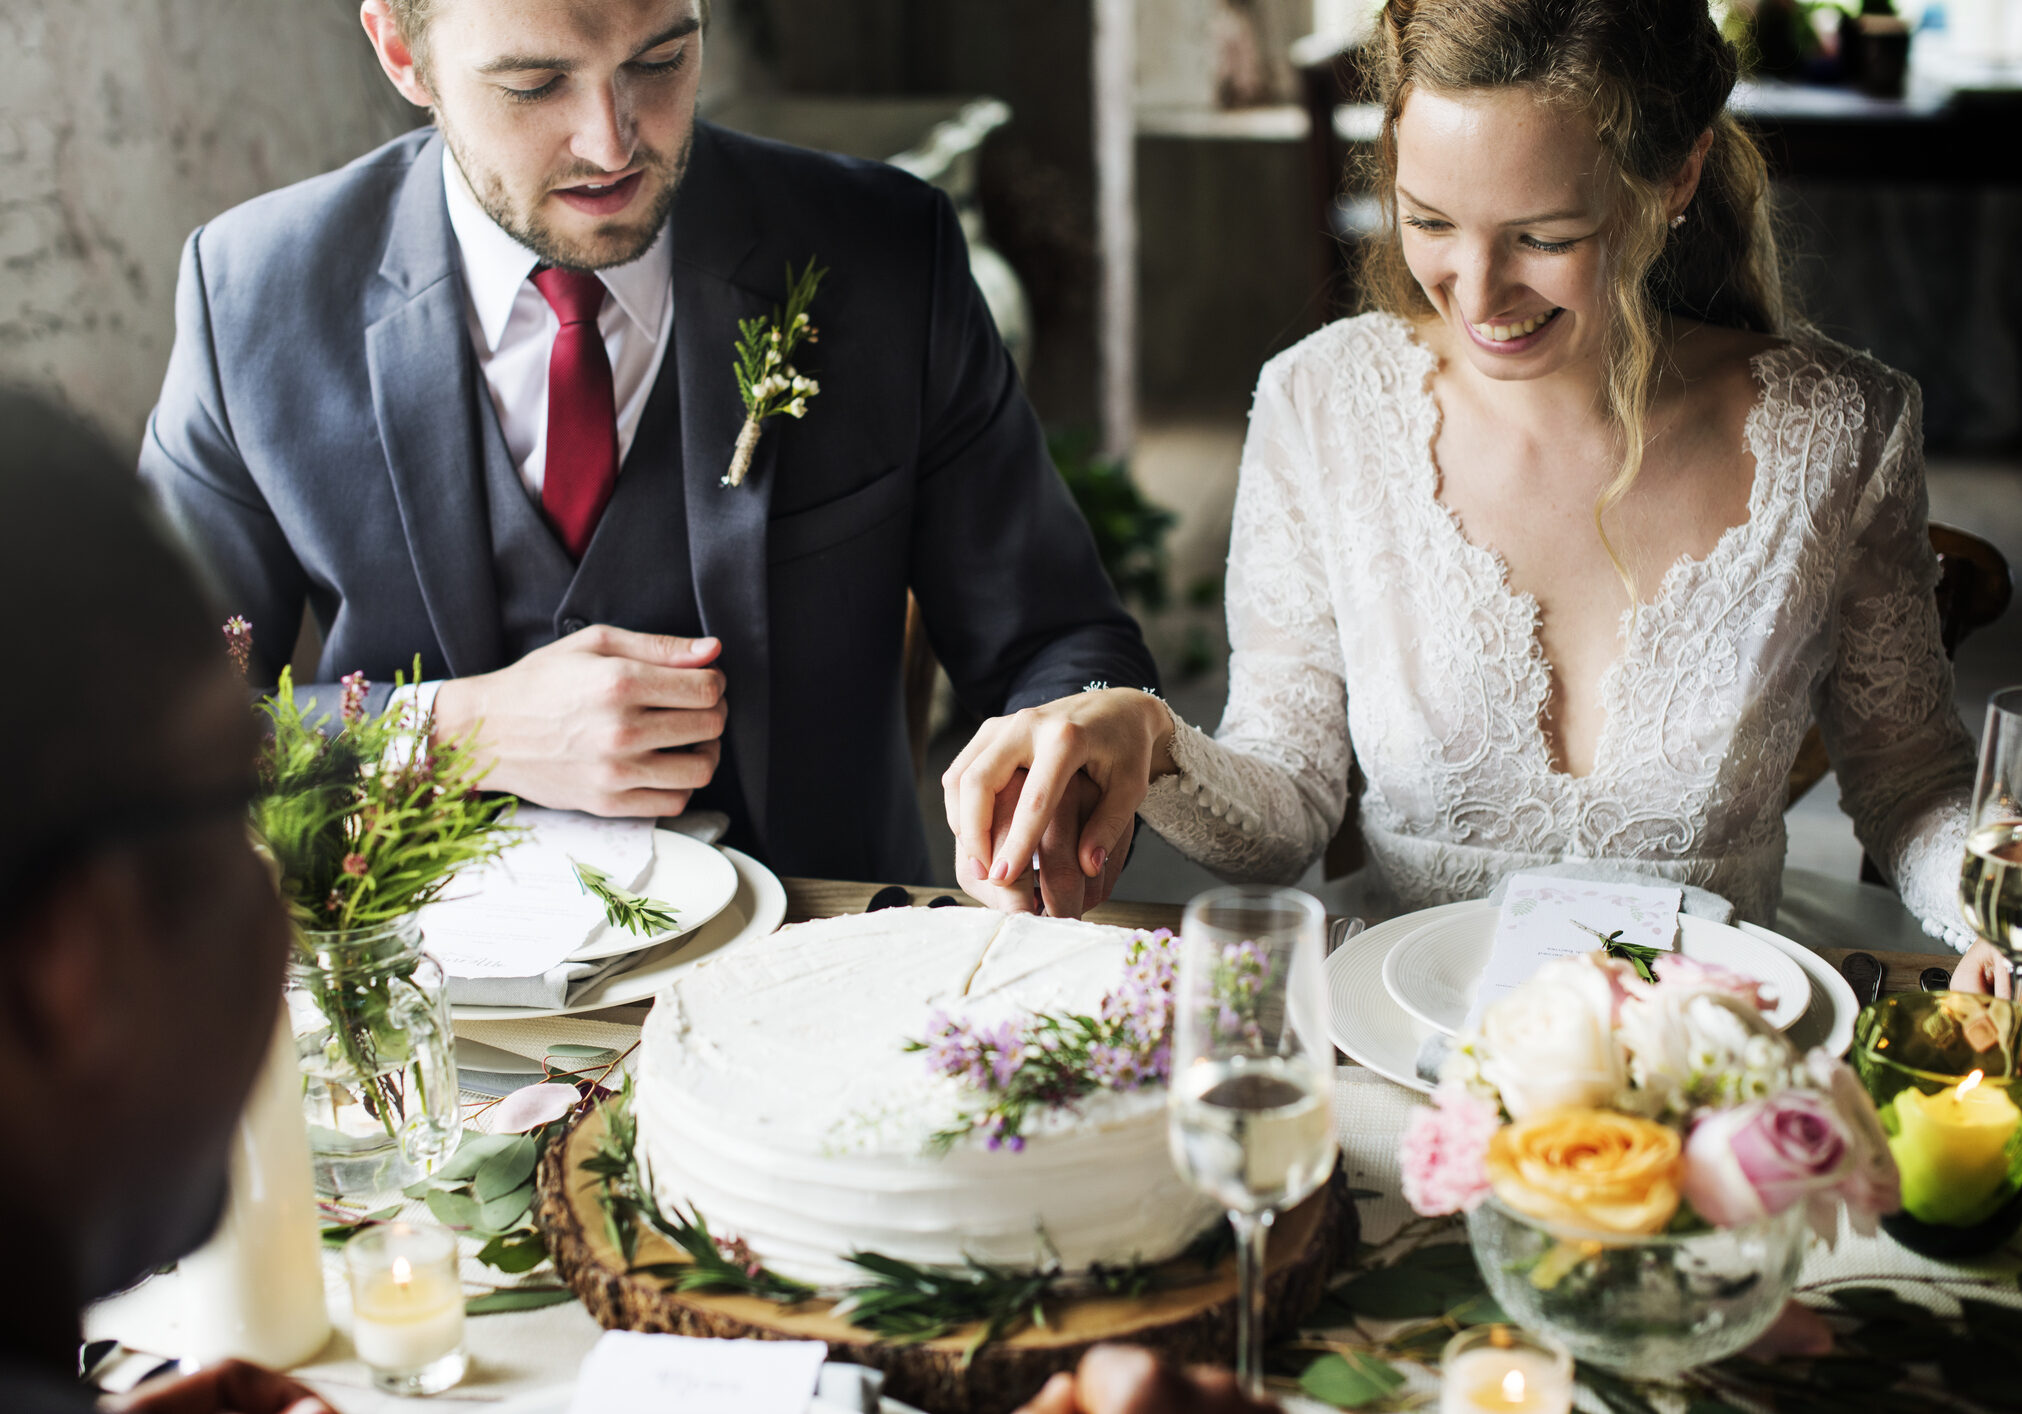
(526, 911)
(629, 1372)
(1541, 917)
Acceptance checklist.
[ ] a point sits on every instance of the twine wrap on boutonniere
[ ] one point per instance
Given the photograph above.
(766, 378)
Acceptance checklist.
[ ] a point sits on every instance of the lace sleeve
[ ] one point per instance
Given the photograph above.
(1259, 800)
(1904, 761)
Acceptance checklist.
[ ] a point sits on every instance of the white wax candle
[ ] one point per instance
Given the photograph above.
(255, 1290)
(406, 1317)
(1492, 1380)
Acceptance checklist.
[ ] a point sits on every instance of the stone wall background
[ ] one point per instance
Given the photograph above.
(125, 124)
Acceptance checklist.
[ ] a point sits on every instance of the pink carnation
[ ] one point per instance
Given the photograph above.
(1444, 1152)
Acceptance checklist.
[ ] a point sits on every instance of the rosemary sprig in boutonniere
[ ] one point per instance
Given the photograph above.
(766, 378)
(635, 913)
(1635, 954)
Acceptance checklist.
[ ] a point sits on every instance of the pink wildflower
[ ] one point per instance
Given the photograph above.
(1444, 1152)
(737, 1250)
(353, 702)
(355, 864)
(239, 643)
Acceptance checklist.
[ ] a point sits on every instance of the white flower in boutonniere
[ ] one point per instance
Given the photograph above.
(766, 378)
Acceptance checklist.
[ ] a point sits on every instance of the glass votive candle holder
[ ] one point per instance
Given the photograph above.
(1940, 1067)
(407, 1307)
(1505, 1370)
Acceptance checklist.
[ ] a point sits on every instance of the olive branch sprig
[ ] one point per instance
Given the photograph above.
(635, 913)
(767, 380)
(1635, 954)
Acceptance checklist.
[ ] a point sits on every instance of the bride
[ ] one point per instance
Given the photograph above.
(1568, 542)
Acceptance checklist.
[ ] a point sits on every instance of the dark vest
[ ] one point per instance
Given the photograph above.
(634, 574)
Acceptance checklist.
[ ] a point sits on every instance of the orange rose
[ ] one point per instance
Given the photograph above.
(1588, 1169)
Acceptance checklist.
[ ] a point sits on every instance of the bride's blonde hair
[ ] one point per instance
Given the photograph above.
(1652, 76)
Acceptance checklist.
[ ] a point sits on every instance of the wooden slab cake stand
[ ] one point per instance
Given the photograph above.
(1192, 1319)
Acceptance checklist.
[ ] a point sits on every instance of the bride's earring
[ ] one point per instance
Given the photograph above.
(1677, 221)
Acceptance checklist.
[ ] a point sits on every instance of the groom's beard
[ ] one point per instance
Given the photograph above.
(617, 242)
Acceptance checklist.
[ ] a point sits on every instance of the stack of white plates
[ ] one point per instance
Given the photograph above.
(719, 896)
(1405, 981)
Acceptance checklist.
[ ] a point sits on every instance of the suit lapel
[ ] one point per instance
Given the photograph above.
(713, 232)
(425, 397)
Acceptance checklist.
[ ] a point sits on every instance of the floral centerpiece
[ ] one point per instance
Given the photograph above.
(364, 820)
(1639, 1158)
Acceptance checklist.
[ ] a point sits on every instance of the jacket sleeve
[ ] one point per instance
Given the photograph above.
(191, 464)
(1014, 597)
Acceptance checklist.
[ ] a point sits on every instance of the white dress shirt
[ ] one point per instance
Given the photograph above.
(513, 330)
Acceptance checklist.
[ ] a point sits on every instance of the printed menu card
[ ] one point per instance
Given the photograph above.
(1544, 916)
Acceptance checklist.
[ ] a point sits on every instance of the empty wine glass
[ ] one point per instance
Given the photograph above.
(1990, 881)
(1250, 1122)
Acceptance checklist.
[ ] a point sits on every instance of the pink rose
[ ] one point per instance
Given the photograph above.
(1872, 1187)
(1445, 1149)
(1756, 1160)
(1675, 971)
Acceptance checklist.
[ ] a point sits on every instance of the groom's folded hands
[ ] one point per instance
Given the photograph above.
(605, 720)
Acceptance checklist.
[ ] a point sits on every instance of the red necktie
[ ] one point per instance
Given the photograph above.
(582, 465)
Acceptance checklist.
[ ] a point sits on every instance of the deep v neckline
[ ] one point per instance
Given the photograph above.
(1637, 623)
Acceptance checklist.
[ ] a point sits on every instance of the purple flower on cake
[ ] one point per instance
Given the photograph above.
(1444, 1151)
(986, 1057)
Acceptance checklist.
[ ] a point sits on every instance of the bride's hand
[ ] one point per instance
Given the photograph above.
(1118, 738)
(1984, 970)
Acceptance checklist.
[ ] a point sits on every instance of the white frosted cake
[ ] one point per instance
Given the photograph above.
(777, 1098)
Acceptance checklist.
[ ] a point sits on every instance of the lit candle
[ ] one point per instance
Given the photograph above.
(1502, 1370)
(407, 1307)
(1952, 1150)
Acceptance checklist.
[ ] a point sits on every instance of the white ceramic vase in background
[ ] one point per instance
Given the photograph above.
(255, 1290)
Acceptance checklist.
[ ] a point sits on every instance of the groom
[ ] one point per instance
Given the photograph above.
(474, 396)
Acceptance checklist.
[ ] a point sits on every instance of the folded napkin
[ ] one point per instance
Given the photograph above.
(557, 987)
(1700, 903)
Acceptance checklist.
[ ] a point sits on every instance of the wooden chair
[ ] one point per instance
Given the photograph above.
(1974, 587)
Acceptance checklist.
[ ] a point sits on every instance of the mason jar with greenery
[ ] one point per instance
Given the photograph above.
(366, 820)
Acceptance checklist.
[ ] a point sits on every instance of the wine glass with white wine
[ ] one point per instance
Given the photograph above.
(1990, 882)
(1250, 1121)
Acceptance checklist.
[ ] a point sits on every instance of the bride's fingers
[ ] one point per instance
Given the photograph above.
(1110, 822)
(988, 773)
(1047, 781)
(951, 779)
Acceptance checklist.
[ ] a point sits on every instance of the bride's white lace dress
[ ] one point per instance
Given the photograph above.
(1359, 613)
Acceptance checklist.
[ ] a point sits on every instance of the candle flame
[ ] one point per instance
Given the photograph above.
(403, 1271)
(1513, 1386)
(1970, 1081)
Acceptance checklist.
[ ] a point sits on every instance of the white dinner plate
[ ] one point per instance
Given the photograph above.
(758, 908)
(1434, 971)
(695, 879)
(1372, 1030)
(1362, 1019)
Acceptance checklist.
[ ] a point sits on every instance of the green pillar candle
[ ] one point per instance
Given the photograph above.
(1952, 1150)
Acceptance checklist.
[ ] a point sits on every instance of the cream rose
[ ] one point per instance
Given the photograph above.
(1593, 1170)
(1551, 1043)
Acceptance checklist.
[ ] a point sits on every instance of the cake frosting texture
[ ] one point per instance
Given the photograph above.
(777, 1098)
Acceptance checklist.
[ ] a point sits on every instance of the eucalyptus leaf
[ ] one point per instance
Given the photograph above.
(505, 1213)
(470, 1156)
(506, 1170)
(454, 1209)
(1422, 1284)
(517, 1298)
(1878, 1303)
(515, 1252)
(1618, 1394)
(1350, 1380)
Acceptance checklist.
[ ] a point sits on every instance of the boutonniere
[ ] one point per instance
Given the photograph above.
(766, 378)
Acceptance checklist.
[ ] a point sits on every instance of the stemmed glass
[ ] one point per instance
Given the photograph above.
(1249, 1119)
(1990, 881)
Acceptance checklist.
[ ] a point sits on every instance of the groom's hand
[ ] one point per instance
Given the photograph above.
(605, 720)
(1057, 885)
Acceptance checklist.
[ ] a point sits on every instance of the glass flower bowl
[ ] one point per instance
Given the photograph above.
(1648, 1306)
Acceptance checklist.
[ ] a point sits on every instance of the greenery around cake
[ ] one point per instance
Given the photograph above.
(901, 1302)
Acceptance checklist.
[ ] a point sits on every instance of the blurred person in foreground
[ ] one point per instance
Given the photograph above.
(475, 396)
(141, 941)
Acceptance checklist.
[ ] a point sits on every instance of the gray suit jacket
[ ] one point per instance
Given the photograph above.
(322, 428)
